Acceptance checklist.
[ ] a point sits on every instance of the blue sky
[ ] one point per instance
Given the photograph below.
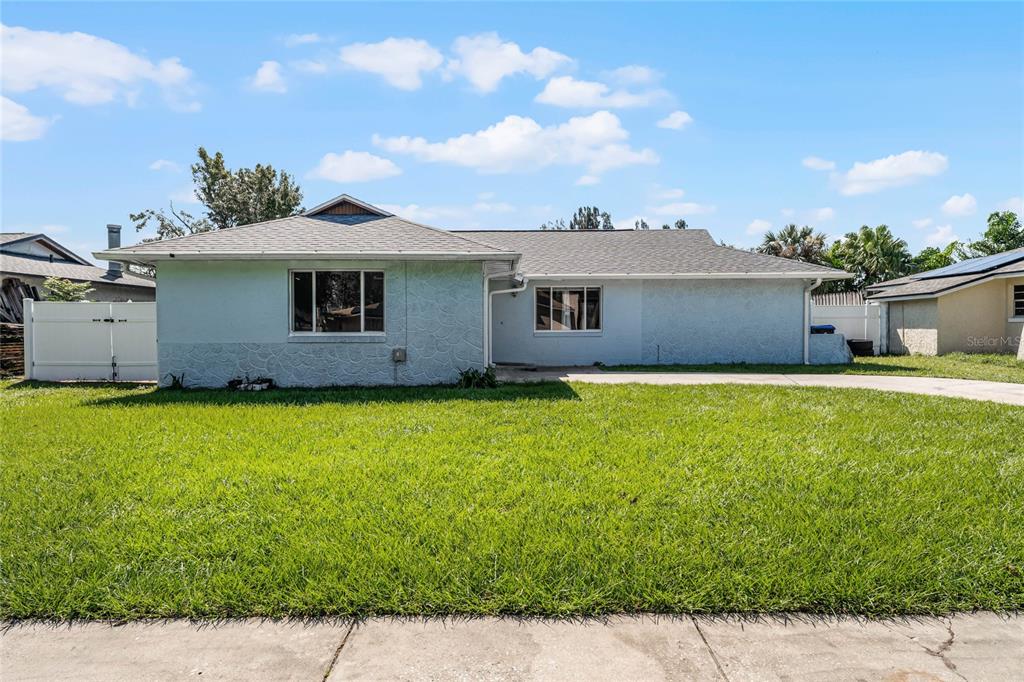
(736, 117)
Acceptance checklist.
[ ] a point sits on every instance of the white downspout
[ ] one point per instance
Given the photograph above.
(490, 303)
(807, 320)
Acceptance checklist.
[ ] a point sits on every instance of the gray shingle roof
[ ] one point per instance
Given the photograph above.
(927, 288)
(11, 264)
(335, 235)
(7, 237)
(635, 252)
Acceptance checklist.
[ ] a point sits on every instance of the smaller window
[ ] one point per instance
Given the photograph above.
(1018, 300)
(567, 309)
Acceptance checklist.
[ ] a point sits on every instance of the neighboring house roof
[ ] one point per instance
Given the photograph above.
(12, 264)
(639, 253)
(933, 283)
(835, 298)
(22, 243)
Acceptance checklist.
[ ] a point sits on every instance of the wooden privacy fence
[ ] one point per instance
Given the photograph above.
(90, 341)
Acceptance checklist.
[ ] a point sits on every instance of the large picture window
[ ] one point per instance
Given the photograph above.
(1018, 300)
(568, 309)
(337, 301)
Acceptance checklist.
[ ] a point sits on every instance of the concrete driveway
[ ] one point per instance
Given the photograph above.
(1010, 394)
(979, 646)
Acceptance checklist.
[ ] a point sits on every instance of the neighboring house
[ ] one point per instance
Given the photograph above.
(350, 294)
(975, 306)
(27, 259)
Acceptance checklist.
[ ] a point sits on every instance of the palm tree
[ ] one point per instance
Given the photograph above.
(797, 243)
(873, 254)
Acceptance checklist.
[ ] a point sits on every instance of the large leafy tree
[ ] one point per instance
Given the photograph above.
(1003, 234)
(932, 258)
(797, 243)
(872, 254)
(240, 197)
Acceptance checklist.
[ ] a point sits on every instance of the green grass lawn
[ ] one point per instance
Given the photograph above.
(549, 499)
(986, 367)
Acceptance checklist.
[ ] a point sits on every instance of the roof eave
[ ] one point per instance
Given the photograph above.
(690, 275)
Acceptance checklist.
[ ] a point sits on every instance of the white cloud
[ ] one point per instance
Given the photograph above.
(683, 208)
(296, 39)
(399, 61)
(960, 205)
(676, 120)
(892, 171)
(164, 164)
(350, 166)
(269, 78)
(819, 164)
(670, 193)
(628, 223)
(597, 142)
(493, 207)
(634, 74)
(758, 227)
(586, 180)
(313, 66)
(479, 214)
(18, 123)
(88, 70)
(941, 237)
(1015, 204)
(566, 91)
(484, 60)
(822, 214)
(921, 223)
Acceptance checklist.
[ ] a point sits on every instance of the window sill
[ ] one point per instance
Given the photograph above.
(355, 337)
(1016, 318)
(568, 333)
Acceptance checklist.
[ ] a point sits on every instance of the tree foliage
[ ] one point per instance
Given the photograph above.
(798, 243)
(1003, 234)
(58, 289)
(872, 254)
(240, 197)
(641, 224)
(932, 258)
(585, 218)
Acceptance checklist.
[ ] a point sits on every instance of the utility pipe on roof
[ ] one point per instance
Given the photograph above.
(807, 320)
(490, 304)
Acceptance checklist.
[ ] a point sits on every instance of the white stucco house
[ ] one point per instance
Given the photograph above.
(350, 294)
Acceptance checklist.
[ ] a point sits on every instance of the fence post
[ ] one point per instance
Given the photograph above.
(26, 318)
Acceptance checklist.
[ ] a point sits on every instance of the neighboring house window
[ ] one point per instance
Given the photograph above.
(564, 309)
(337, 301)
(1018, 300)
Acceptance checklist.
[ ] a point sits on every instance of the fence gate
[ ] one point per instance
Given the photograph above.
(90, 341)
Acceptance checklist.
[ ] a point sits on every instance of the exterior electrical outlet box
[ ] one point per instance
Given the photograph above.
(398, 355)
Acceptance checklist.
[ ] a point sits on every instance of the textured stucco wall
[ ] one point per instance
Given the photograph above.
(712, 321)
(973, 320)
(913, 327)
(222, 320)
(674, 321)
(516, 341)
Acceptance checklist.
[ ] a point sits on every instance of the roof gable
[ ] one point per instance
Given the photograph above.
(343, 204)
(38, 245)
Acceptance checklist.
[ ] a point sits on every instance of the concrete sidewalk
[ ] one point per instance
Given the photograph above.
(1010, 394)
(981, 646)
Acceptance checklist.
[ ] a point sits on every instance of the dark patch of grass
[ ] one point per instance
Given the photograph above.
(983, 367)
(534, 500)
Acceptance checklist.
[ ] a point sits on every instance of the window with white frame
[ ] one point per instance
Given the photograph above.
(337, 301)
(1018, 300)
(567, 309)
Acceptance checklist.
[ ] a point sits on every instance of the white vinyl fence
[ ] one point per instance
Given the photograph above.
(852, 321)
(90, 341)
